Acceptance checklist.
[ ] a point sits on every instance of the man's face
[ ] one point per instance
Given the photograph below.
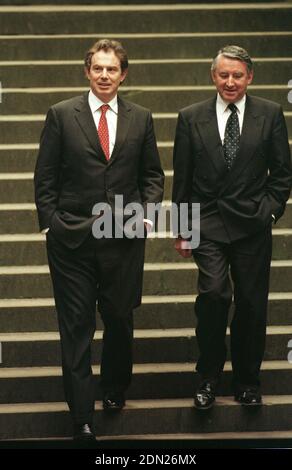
(231, 78)
(105, 74)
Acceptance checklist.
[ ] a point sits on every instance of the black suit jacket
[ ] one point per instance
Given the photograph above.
(239, 202)
(72, 173)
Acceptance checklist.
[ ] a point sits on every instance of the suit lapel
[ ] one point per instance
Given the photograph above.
(209, 133)
(122, 127)
(86, 122)
(249, 141)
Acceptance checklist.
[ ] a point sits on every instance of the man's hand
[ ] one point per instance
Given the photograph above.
(183, 248)
(148, 224)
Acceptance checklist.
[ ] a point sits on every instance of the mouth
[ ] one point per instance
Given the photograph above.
(104, 85)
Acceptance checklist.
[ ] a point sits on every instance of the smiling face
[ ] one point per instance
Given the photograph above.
(105, 74)
(231, 78)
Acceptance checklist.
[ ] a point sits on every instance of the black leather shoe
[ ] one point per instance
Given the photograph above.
(248, 397)
(83, 432)
(113, 401)
(205, 396)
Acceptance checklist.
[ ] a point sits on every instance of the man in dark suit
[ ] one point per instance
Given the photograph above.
(94, 148)
(232, 156)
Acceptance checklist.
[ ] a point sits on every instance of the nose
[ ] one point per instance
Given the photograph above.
(104, 73)
(230, 81)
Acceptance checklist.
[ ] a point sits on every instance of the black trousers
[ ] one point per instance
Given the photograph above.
(107, 271)
(249, 263)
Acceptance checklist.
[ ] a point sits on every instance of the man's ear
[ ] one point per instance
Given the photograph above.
(212, 73)
(86, 72)
(123, 76)
(250, 77)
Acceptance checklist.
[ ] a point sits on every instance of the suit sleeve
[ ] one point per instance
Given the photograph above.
(280, 173)
(151, 179)
(47, 170)
(182, 166)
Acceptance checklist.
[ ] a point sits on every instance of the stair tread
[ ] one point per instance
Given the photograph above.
(143, 333)
(268, 400)
(42, 117)
(151, 368)
(202, 436)
(145, 7)
(146, 300)
(38, 237)
(44, 269)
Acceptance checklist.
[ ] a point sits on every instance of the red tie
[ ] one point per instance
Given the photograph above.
(103, 131)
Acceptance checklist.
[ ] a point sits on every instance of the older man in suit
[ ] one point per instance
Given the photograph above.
(232, 156)
(94, 148)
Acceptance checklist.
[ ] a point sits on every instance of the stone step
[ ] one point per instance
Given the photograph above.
(150, 381)
(150, 346)
(40, 420)
(113, 2)
(192, 72)
(143, 19)
(22, 158)
(159, 279)
(210, 440)
(18, 187)
(108, 2)
(27, 129)
(16, 250)
(176, 311)
(22, 218)
(162, 249)
(159, 99)
(259, 41)
(18, 158)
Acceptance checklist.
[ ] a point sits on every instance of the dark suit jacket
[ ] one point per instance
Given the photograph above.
(239, 202)
(72, 173)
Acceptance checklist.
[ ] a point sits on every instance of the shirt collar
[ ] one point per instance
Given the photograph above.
(95, 103)
(222, 105)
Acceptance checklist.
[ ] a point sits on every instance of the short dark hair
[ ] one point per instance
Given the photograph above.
(234, 52)
(106, 45)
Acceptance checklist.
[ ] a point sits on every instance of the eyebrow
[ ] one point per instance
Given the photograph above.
(106, 66)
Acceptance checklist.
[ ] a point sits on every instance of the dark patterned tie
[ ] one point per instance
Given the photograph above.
(231, 136)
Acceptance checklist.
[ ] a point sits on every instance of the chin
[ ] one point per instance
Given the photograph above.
(230, 99)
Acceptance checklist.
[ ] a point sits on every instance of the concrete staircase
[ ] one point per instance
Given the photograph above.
(170, 47)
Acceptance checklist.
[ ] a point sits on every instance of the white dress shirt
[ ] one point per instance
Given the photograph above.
(223, 113)
(111, 116)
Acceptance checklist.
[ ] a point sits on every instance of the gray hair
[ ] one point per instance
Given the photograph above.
(234, 52)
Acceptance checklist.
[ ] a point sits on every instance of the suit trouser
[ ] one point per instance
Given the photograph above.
(249, 262)
(109, 271)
